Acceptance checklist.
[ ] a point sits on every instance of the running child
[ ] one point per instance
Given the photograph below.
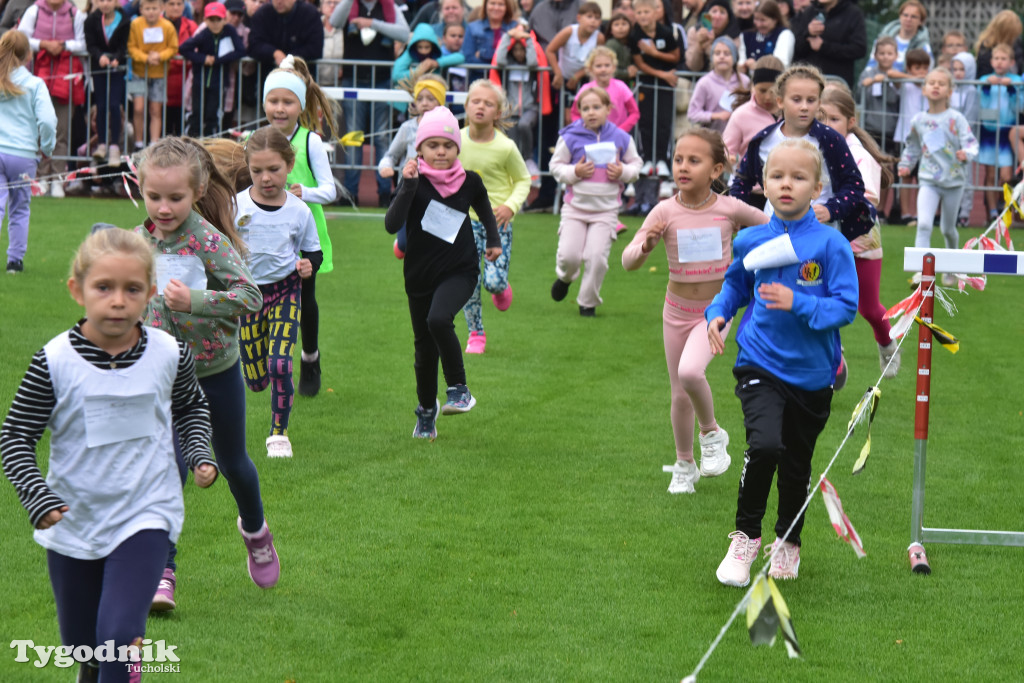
(488, 151)
(296, 105)
(442, 266)
(207, 289)
(942, 141)
(601, 67)
(428, 92)
(280, 233)
(754, 109)
(113, 394)
(839, 113)
(788, 356)
(30, 127)
(697, 227)
(712, 92)
(594, 158)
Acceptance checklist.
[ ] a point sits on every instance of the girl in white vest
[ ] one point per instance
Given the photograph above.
(112, 393)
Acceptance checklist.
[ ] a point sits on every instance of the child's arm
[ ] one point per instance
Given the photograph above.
(239, 295)
(632, 111)
(481, 203)
(401, 68)
(191, 49)
(398, 212)
(911, 152)
(968, 143)
(520, 176)
(748, 173)
(737, 289)
(309, 248)
(631, 164)
(644, 241)
(136, 49)
(190, 413)
(561, 165)
(325, 191)
(847, 183)
(170, 43)
(236, 42)
(501, 52)
(395, 153)
(551, 51)
(700, 108)
(46, 120)
(531, 53)
(34, 403)
(451, 59)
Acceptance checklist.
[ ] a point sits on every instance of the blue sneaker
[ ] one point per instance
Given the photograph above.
(459, 400)
(426, 422)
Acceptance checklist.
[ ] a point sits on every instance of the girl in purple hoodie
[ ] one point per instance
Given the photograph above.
(711, 102)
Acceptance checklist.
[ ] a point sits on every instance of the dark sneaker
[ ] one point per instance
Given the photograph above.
(264, 565)
(559, 289)
(459, 400)
(15, 266)
(588, 311)
(426, 422)
(309, 377)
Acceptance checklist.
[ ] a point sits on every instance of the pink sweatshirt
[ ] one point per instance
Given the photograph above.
(725, 216)
(707, 97)
(625, 112)
(746, 121)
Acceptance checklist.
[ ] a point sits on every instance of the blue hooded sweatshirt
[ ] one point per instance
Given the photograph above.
(801, 346)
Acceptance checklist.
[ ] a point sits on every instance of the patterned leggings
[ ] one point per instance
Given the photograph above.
(267, 339)
(494, 275)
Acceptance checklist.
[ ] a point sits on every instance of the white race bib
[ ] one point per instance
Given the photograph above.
(267, 239)
(601, 153)
(777, 252)
(934, 140)
(443, 221)
(699, 244)
(152, 35)
(113, 419)
(225, 47)
(876, 89)
(188, 268)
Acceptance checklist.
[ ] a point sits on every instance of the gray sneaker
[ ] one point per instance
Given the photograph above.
(426, 422)
(459, 400)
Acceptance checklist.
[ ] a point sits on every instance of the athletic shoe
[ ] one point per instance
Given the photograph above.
(476, 343)
(100, 153)
(44, 187)
(88, 672)
(885, 353)
(684, 476)
(630, 191)
(558, 289)
(57, 189)
(841, 375)
(713, 458)
(264, 565)
(735, 568)
(459, 400)
(163, 601)
(786, 563)
(647, 169)
(662, 169)
(399, 254)
(620, 228)
(309, 377)
(588, 311)
(278, 446)
(534, 171)
(15, 265)
(666, 189)
(426, 422)
(114, 155)
(503, 299)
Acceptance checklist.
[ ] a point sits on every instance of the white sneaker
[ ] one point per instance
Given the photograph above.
(278, 446)
(666, 189)
(57, 189)
(114, 155)
(786, 563)
(684, 476)
(735, 568)
(44, 187)
(630, 191)
(663, 171)
(647, 169)
(100, 153)
(885, 353)
(714, 461)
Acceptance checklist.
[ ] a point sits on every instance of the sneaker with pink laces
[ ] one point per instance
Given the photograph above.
(503, 299)
(264, 565)
(735, 568)
(477, 342)
(785, 561)
(163, 601)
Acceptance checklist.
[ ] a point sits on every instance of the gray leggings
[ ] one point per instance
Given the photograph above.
(929, 197)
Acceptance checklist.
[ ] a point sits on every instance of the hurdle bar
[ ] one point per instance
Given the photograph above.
(378, 95)
(929, 262)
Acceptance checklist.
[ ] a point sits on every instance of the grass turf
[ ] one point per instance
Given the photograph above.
(535, 540)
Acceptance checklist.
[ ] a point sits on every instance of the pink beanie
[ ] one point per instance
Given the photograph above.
(439, 122)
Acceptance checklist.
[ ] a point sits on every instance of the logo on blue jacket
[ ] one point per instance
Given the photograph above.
(810, 273)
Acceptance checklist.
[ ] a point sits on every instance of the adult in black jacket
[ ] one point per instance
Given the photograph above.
(107, 58)
(835, 44)
(286, 27)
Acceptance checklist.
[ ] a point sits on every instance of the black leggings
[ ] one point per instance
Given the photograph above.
(310, 323)
(434, 337)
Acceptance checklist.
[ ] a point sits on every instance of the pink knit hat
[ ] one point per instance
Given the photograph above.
(439, 122)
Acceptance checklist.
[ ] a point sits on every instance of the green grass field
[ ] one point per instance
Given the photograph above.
(534, 539)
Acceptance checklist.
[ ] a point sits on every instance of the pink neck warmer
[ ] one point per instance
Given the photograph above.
(447, 181)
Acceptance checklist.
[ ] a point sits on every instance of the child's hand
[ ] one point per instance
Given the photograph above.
(715, 341)
(362, 22)
(902, 172)
(492, 253)
(210, 59)
(557, 81)
(821, 213)
(113, 64)
(304, 267)
(502, 216)
(387, 172)
(104, 61)
(584, 169)
(632, 70)
(614, 170)
(178, 296)
(51, 518)
(779, 297)
(153, 58)
(204, 475)
(411, 169)
(296, 189)
(721, 116)
(670, 77)
(653, 236)
(961, 155)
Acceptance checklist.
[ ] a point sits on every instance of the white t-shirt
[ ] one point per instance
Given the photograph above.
(275, 238)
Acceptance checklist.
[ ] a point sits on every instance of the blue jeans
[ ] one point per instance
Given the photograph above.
(373, 118)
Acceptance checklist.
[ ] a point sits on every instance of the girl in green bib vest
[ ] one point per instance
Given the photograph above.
(296, 105)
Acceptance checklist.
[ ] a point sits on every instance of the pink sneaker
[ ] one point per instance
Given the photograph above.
(163, 601)
(399, 254)
(620, 228)
(477, 342)
(264, 565)
(503, 299)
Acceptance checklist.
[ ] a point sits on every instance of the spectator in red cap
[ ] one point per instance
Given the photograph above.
(211, 51)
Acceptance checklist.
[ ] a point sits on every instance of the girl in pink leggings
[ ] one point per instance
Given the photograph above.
(697, 226)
